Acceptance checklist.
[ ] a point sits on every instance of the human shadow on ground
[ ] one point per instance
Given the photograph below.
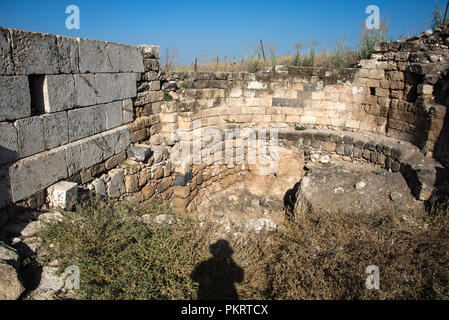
(217, 276)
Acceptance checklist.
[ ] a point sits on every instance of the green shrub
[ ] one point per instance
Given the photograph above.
(369, 38)
(167, 96)
(315, 255)
(121, 258)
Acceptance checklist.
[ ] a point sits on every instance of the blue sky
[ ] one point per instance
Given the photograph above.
(230, 27)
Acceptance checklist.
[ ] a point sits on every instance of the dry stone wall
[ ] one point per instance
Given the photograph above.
(64, 108)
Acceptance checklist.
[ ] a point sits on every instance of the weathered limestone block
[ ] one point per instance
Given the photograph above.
(85, 90)
(99, 187)
(126, 62)
(30, 132)
(122, 139)
(56, 130)
(68, 54)
(99, 118)
(6, 64)
(9, 147)
(126, 85)
(150, 51)
(113, 54)
(425, 89)
(81, 123)
(108, 146)
(32, 174)
(92, 151)
(59, 93)
(128, 111)
(15, 98)
(114, 114)
(62, 194)
(97, 56)
(131, 183)
(74, 158)
(106, 85)
(137, 61)
(139, 152)
(34, 53)
(115, 160)
(116, 187)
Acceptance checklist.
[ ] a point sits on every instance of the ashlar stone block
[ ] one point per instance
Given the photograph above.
(15, 100)
(81, 123)
(85, 90)
(59, 93)
(8, 143)
(6, 64)
(68, 54)
(94, 56)
(34, 53)
(30, 136)
(56, 129)
(62, 194)
(33, 174)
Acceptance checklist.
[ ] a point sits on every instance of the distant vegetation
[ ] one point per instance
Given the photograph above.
(339, 55)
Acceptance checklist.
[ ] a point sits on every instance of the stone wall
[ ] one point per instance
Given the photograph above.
(412, 89)
(64, 108)
(103, 115)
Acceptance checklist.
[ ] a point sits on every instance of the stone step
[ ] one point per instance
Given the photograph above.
(422, 173)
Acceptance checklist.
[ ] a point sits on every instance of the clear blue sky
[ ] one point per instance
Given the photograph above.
(228, 27)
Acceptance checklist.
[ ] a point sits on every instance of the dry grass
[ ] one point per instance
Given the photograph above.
(317, 256)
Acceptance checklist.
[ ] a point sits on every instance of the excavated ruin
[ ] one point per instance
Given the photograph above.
(81, 116)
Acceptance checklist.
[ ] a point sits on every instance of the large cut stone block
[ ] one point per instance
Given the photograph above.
(62, 194)
(150, 51)
(34, 53)
(6, 64)
(85, 90)
(116, 187)
(126, 83)
(114, 115)
(98, 56)
(30, 136)
(81, 123)
(74, 160)
(8, 143)
(137, 60)
(113, 53)
(108, 144)
(59, 93)
(15, 101)
(128, 112)
(56, 129)
(33, 174)
(122, 139)
(126, 58)
(99, 118)
(92, 151)
(68, 54)
(105, 84)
